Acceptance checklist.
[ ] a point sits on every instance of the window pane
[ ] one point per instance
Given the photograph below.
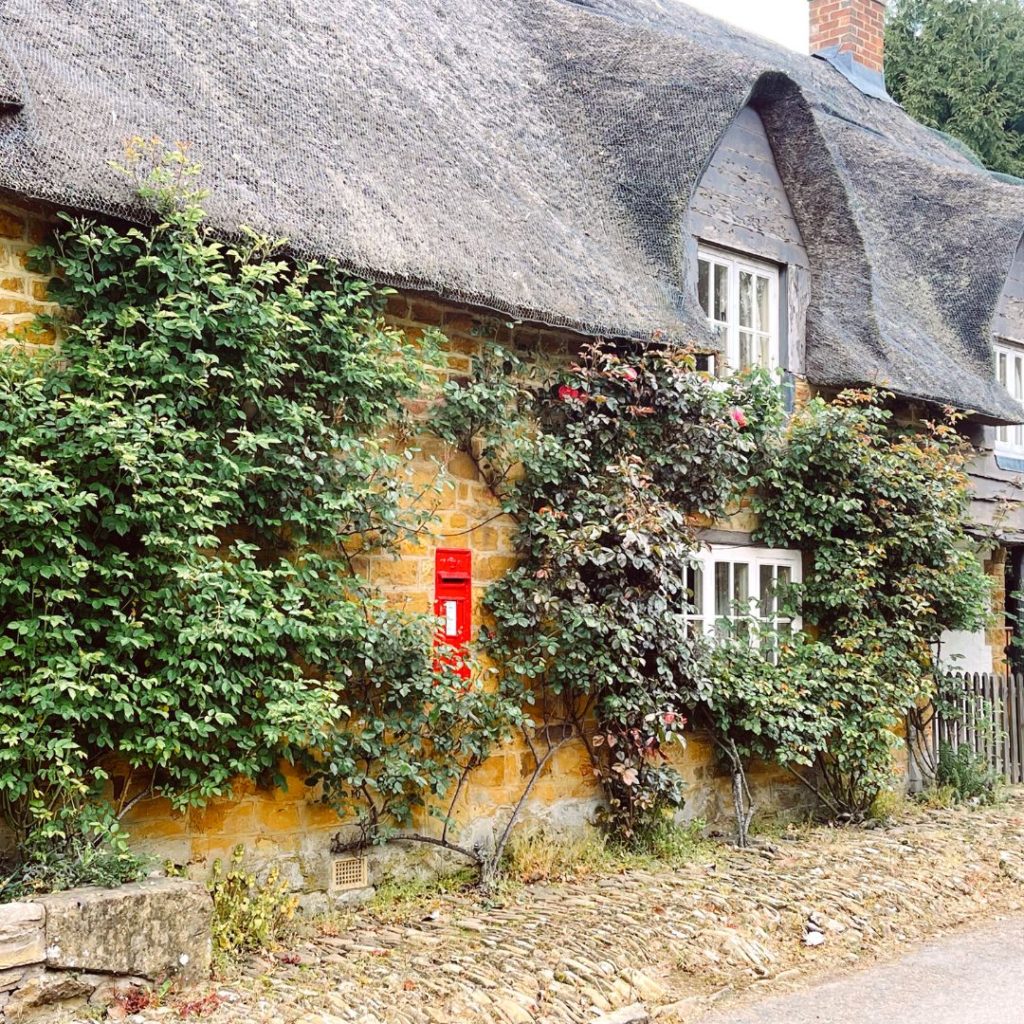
(746, 299)
(763, 305)
(766, 592)
(703, 292)
(721, 293)
(746, 350)
(762, 352)
(1018, 393)
(721, 588)
(783, 577)
(1002, 368)
(695, 589)
(741, 586)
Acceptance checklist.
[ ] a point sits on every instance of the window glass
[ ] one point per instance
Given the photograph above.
(740, 587)
(746, 299)
(763, 315)
(722, 589)
(695, 597)
(721, 308)
(746, 360)
(766, 591)
(1018, 393)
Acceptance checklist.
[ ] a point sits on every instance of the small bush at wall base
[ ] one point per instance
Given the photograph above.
(76, 845)
(966, 775)
(247, 914)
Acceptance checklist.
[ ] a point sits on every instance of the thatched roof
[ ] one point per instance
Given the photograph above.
(532, 156)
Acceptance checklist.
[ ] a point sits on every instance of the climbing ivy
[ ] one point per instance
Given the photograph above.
(880, 510)
(188, 486)
(622, 460)
(606, 469)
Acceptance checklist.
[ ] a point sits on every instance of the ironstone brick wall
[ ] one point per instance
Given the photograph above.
(22, 292)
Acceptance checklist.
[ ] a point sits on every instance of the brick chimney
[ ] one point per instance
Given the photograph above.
(856, 27)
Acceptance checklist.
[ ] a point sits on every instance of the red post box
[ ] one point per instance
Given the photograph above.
(453, 599)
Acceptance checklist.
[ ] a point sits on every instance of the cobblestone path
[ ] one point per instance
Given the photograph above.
(668, 944)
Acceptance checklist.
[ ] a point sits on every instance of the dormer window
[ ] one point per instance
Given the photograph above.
(740, 297)
(1010, 373)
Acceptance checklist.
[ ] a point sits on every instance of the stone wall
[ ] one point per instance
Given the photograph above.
(90, 945)
(22, 291)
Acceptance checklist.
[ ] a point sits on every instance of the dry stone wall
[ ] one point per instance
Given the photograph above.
(90, 944)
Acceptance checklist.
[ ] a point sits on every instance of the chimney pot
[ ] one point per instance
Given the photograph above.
(856, 27)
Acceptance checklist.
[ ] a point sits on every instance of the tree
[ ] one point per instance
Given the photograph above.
(958, 65)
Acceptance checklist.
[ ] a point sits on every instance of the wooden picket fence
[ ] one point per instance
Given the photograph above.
(990, 721)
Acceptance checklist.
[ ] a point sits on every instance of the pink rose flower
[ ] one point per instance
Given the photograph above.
(568, 394)
(629, 373)
(736, 415)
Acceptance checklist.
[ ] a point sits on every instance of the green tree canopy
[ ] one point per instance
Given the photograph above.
(958, 66)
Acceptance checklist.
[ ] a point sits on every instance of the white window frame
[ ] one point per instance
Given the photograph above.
(729, 329)
(1010, 374)
(704, 614)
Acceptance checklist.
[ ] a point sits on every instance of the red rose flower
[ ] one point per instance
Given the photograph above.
(568, 394)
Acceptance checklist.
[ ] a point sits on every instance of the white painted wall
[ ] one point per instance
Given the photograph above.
(975, 655)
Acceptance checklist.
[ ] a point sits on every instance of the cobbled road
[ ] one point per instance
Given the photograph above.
(666, 946)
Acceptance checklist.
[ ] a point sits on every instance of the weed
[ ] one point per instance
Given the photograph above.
(247, 914)
(538, 854)
(967, 774)
(398, 898)
(888, 804)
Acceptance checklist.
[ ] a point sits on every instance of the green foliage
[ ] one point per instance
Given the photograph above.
(604, 472)
(395, 899)
(248, 914)
(770, 707)
(882, 511)
(967, 775)
(78, 843)
(958, 65)
(184, 488)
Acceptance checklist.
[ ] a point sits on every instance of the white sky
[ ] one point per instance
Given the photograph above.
(784, 21)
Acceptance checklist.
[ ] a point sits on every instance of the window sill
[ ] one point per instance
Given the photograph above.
(1010, 463)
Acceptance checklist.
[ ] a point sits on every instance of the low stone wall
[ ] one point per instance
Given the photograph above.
(92, 944)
